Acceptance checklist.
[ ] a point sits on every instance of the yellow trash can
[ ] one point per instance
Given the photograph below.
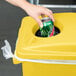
(49, 56)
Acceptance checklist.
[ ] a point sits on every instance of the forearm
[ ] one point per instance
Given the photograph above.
(32, 10)
(20, 3)
(11, 2)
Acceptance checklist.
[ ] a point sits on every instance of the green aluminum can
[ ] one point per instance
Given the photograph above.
(48, 27)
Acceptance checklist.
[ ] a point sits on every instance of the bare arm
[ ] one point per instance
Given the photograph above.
(33, 10)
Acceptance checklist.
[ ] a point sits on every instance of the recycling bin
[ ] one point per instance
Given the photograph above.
(47, 56)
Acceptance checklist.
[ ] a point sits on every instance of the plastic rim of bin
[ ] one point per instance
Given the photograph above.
(47, 61)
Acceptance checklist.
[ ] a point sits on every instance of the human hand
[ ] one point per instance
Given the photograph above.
(35, 11)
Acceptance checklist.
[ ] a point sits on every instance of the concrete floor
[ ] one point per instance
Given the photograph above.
(10, 20)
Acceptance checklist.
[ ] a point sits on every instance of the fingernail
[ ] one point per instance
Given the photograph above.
(41, 25)
(53, 20)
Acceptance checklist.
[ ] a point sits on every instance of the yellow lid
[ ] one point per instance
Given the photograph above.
(59, 47)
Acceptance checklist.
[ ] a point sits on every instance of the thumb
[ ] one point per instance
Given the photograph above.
(39, 22)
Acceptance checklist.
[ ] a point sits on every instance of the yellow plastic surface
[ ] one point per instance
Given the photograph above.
(59, 47)
(41, 69)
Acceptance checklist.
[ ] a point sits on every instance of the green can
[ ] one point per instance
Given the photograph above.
(48, 27)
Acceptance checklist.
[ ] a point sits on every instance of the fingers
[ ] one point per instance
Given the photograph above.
(49, 13)
(39, 21)
(51, 16)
